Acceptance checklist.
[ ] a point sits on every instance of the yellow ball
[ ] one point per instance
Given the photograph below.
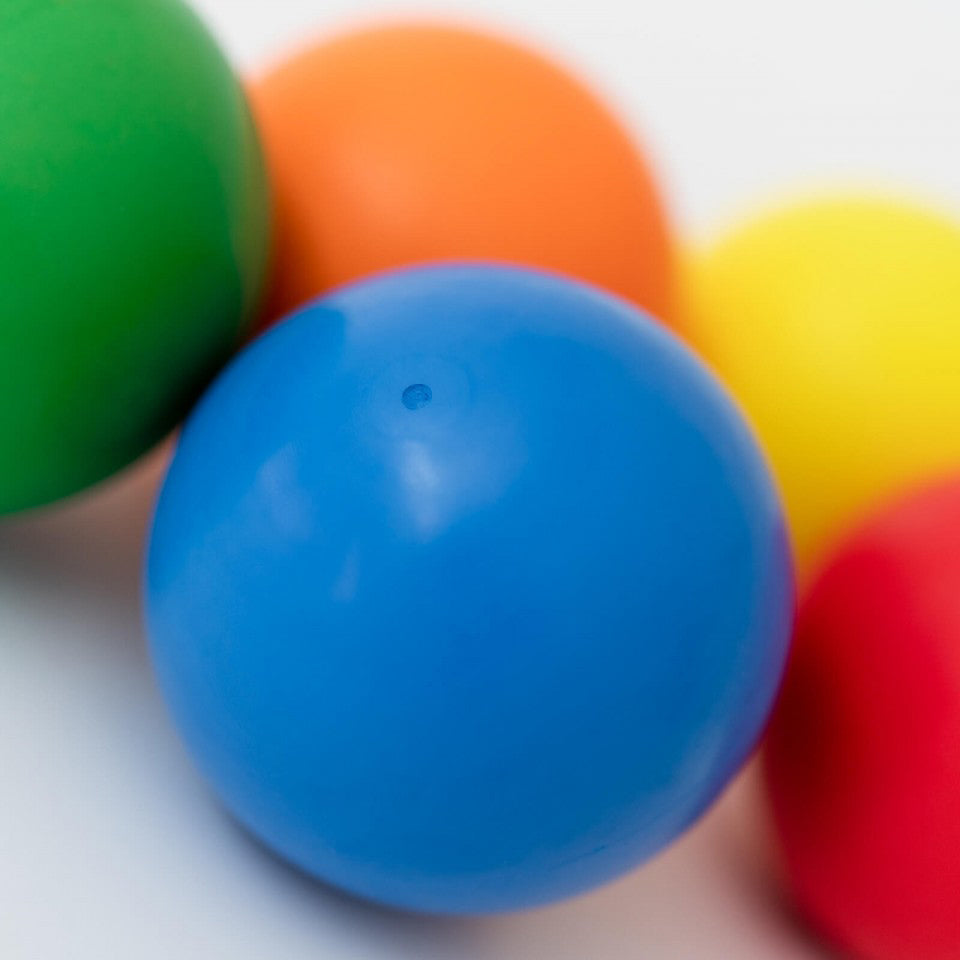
(836, 324)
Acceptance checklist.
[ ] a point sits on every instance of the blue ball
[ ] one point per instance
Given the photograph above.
(468, 589)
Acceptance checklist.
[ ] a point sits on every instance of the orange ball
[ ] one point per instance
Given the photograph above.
(414, 143)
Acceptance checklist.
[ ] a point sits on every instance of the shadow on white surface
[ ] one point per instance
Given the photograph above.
(111, 846)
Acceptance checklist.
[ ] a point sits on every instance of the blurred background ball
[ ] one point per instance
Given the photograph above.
(468, 589)
(837, 324)
(400, 145)
(863, 759)
(133, 226)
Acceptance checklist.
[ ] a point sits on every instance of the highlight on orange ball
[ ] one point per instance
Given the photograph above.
(415, 143)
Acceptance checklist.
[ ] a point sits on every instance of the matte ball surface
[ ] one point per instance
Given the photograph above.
(468, 589)
(133, 226)
(414, 143)
(863, 759)
(837, 324)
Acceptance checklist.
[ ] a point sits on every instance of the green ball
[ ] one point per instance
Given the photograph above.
(134, 228)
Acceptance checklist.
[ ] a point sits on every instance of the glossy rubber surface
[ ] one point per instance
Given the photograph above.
(413, 143)
(834, 323)
(468, 589)
(133, 233)
(863, 759)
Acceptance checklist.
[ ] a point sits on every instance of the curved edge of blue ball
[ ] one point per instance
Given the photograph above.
(782, 605)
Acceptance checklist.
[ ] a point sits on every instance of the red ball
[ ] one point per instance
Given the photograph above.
(863, 756)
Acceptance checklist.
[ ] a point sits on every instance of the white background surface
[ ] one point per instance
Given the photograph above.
(109, 845)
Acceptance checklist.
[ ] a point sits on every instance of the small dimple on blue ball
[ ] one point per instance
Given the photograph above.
(479, 661)
(417, 395)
